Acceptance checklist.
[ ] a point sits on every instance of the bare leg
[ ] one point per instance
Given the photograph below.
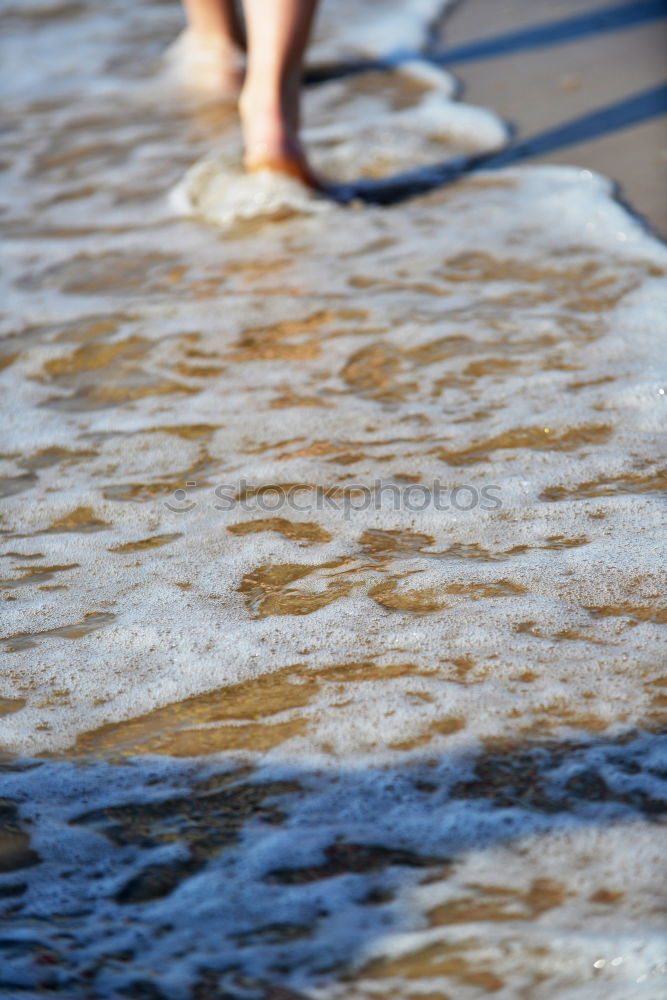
(211, 47)
(214, 20)
(278, 32)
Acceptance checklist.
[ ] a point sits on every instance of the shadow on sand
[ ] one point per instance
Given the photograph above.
(559, 32)
(621, 114)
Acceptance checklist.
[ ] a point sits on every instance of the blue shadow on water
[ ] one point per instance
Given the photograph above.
(138, 876)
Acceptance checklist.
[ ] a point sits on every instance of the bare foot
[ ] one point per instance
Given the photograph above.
(207, 65)
(271, 141)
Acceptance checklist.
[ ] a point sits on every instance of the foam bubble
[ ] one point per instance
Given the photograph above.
(216, 189)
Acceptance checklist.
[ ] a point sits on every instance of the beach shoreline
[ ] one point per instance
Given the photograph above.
(542, 84)
(332, 539)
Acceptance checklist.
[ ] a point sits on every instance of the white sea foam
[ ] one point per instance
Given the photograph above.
(216, 189)
(349, 29)
(465, 686)
(509, 341)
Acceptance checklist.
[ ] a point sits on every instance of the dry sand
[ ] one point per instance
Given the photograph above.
(541, 88)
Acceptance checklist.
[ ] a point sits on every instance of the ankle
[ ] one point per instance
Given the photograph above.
(261, 108)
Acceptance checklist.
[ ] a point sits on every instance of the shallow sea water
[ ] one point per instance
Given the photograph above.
(332, 545)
